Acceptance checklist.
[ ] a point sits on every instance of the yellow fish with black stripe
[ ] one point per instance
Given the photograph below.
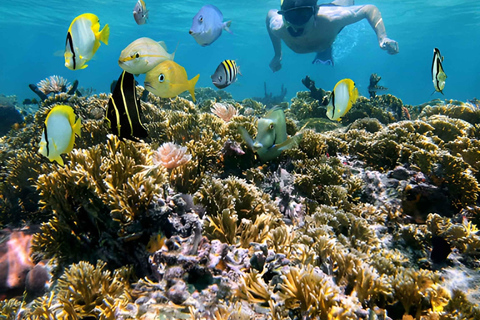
(83, 40)
(226, 74)
(343, 97)
(123, 110)
(60, 129)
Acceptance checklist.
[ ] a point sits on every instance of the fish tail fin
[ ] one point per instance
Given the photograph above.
(191, 86)
(172, 55)
(104, 34)
(226, 26)
(58, 159)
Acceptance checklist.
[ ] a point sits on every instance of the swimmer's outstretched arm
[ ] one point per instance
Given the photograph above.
(275, 64)
(372, 14)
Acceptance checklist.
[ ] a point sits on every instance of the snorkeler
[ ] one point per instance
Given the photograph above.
(294, 25)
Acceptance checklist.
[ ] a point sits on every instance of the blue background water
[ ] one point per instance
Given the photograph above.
(33, 35)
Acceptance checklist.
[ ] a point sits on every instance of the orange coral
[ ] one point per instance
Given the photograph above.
(171, 155)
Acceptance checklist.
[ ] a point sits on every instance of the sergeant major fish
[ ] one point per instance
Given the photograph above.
(140, 12)
(123, 110)
(438, 75)
(142, 55)
(169, 79)
(343, 97)
(208, 24)
(59, 132)
(225, 74)
(83, 40)
(271, 137)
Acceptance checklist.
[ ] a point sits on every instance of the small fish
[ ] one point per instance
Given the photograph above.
(123, 110)
(226, 74)
(208, 24)
(438, 75)
(83, 40)
(271, 137)
(140, 12)
(142, 55)
(169, 79)
(59, 132)
(343, 97)
(155, 243)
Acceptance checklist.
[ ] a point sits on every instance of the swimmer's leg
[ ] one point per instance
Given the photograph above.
(343, 3)
(324, 57)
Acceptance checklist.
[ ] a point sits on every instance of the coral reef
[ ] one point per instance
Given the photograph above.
(269, 100)
(373, 86)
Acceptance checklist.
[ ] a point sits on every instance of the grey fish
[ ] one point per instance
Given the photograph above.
(226, 74)
(140, 12)
(208, 24)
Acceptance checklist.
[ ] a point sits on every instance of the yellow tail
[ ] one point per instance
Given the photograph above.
(191, 85)
(104, 34)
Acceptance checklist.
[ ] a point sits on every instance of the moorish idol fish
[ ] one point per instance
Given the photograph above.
(343, 97)
(438, 75)
(169, 79)
(123, 110)
(271, 137)
(83, 40)
(59, 132)
(225, 74)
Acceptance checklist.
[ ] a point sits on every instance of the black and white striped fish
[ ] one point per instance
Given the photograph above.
(226, 74)
(438, 75)
(123, 110)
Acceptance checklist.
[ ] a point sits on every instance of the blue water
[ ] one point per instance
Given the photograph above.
(33, 35)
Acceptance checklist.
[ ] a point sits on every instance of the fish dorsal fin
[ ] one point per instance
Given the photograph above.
(162, 43)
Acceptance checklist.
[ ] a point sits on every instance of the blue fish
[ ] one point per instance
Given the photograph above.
(208, 24)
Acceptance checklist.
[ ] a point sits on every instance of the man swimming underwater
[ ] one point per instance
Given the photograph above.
(307, 27)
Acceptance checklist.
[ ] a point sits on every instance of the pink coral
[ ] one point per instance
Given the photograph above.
(171, 155)
(224, 111)
(55, 84)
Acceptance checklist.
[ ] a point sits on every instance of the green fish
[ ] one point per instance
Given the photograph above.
(271, 137)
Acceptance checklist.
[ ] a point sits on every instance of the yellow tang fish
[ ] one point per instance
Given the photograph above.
(59, 133)
(83, 40)
(142, 55)
(169, 79)
(344, 95)
(438, 75)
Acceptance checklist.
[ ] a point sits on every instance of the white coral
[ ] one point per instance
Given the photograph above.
(224, 111)
(53, 84)
(171, 155)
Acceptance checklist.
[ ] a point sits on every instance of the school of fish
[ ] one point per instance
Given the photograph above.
(166, 79)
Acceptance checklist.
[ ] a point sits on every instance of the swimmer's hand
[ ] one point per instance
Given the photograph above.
(390, 45)
(276, 64)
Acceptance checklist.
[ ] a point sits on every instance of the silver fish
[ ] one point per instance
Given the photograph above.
(208, 24)
(140, 12)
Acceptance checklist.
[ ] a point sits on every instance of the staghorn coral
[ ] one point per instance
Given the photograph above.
(171, 155)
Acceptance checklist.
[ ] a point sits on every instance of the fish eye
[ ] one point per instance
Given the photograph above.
(161, 77)
(137, 55)
(271, 126)
(200, 19)
(220, 78)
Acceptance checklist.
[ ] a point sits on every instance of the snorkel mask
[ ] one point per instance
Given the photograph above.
(298, 12)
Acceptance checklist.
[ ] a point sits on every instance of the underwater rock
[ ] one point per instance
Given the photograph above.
(9, 115)
(316, 93)
(421, 199)
(373, 87)
(269, 100)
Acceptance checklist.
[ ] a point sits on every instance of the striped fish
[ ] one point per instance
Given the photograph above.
(123, 110)
(226, 74)
(438, 75)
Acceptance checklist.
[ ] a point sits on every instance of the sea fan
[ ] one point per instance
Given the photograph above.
(171, 155)
(53, 84)
(224, 111)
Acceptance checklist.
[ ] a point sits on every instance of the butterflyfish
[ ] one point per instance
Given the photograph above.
(140, 12)
(207, 25)
(226, 74)
(438, 75)
(343, 97)
(124, 111)
(83, 40)
(271, 137)
(142, 55)
(169, 79)
(58, 137)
